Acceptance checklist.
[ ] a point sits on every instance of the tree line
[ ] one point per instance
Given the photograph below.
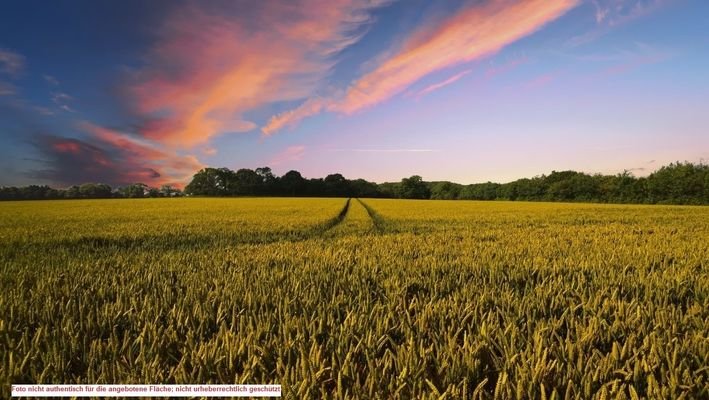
(87, 191)
(676, 183)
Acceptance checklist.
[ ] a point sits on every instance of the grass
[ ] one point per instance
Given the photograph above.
(376, 299)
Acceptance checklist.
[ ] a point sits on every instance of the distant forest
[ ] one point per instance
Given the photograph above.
(677, 183)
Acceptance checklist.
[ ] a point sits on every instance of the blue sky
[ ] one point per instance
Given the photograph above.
(467, 91)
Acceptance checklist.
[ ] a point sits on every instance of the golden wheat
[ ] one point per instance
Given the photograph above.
(372, 299)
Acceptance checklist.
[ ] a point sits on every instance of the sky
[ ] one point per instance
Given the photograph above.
(461, 90)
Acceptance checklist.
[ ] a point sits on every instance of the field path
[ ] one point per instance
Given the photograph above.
(333, 222)
(377, 220)
(356, 221)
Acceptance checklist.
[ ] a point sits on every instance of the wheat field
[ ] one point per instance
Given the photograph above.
(359, 298)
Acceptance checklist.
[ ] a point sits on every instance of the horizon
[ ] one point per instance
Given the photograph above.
(459, 91)
(397, 181)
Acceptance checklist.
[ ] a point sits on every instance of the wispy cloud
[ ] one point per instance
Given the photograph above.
(290, 154)
(140, 153)
(627, 60)
(210, 68)
(365, 150)
(210, 65)
(476, 31)
(59, 97)
(11, 63)
(62, 101)
(43, 110)
(616, 12)
(539, 81)
(436, 86)
(7, 89)
(505, 67)
(289, 118)
(108, 156)
(50, 80)
(610, 14)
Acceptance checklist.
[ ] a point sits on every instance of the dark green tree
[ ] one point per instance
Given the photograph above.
(413, 188)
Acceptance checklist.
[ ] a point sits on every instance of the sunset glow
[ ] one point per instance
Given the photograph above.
(459, 90)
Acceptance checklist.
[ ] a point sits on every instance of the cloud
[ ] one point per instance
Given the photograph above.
(495, 70)
(209, 151)
(615, 12)
(51, 80)
(43, 110)
(209, 68)
(11, 63)
(539, 81)
(601, 12)
(444, 83)
(109, 156)
(387, 150)
(59, 97)
(174, 168)
(72, 161)
(61, 100)
(7, 89)
(289, 118)
(478, 30)
(292, 153)
(610, 14)
(627, 60)
(634, 63)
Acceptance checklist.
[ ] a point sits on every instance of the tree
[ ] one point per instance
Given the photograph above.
(445, 191)
(336, 185)
(136, 190)
(169, 191)
(268, 180)
(94, 191)
(293, 183)
(211, 182)
(679, 183)
(246, 182)
(362, 188)
(413, 188)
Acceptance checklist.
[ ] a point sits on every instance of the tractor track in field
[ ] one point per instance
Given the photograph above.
(173, 241)
(377, 220)
(176, 241)
(333, 222)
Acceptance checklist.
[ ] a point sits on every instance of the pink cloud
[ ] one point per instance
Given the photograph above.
(508, 66)
(539, 81)
(289, 118)
(209, 69)
(477, 31)
(133, 154)
(66, 146)
(444, 83)
(292, 153)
